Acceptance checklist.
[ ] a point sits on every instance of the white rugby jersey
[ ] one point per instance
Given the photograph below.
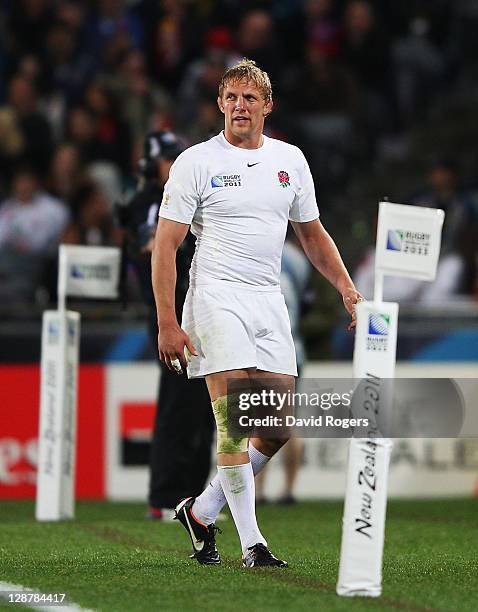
(238, 202)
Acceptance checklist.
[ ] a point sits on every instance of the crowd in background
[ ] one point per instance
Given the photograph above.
(82, 83)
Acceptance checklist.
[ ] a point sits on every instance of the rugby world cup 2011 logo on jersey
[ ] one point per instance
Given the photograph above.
(405, 241)
(226, 180)
(378, 332)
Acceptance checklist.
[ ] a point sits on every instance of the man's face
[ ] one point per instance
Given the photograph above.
(244, 110)
(24, 187)
(442, 180)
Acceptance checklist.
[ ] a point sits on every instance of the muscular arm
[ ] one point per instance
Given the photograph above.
(168, 238)
(172, 339)
(325, 257)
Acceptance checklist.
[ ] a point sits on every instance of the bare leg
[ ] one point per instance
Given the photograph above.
(218, 387)
(269, 446)
(234, 469)
(291, 460)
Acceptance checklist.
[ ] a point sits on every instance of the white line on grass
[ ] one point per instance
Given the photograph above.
(6, 588)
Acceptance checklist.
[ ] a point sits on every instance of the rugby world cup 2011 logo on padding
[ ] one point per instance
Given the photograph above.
(378, 330)
(226, 180)
(284, 180)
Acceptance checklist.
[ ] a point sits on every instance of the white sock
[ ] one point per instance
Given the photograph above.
(238, 485)
(257, 459)
(212, 500)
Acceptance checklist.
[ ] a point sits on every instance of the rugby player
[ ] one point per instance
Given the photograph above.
(237, 192)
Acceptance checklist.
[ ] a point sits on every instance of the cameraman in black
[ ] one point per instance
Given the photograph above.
(184, 426)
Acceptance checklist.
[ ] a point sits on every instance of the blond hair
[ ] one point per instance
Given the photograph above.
(247, 70)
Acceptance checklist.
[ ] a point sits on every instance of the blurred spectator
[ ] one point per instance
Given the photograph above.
(31, 222)
(420, 70)
(176, 40)
(220, 39)
(138, 97)
(256, 40)
(93, 223)
(69, 67)
(29, 20)
(83, 126)
(323, 29)
(108, 177)
(365, 50)
(169, 42)
(365, 47)
(113, 53)
(443, 190)
(73, 14)
(66, 171)
(35, 130)
(3, 57)
(323, 86)
(324, 97)
(113, 19)
(12, 143)
(462, 41)
(29, 66)
(112, 133)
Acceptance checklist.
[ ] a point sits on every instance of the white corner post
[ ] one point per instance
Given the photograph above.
(58, 401)
(88, 272)
(360, 571)
(408, 244)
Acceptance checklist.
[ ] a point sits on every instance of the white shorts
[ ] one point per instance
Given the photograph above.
(237, 328)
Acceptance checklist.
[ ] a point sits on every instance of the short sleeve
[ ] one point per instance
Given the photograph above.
(181, 195)
(304, 207)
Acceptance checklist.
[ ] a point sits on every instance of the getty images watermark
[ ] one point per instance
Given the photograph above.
(340, 408)
(281, 402)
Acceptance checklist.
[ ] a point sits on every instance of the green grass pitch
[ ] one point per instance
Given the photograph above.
(110, 558)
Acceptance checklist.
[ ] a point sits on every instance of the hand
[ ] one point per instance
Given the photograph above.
(172, 341)
(350, 298)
